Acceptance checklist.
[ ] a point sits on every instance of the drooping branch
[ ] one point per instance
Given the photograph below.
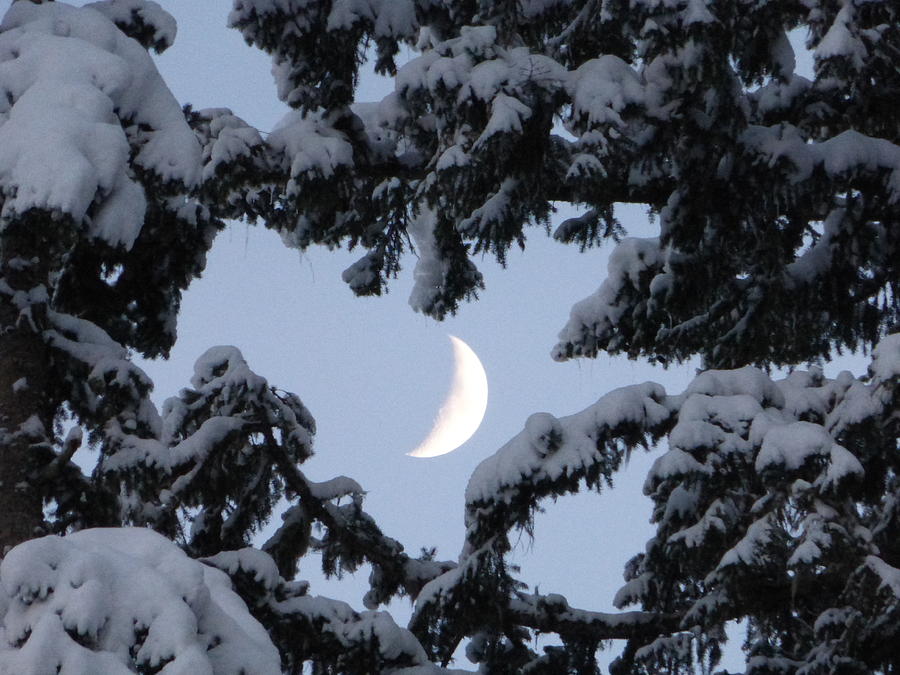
(552, 614)
(352, 530)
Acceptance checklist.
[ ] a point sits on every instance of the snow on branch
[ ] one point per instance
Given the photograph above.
(81, 97)
(352, 537)
(121, 600)
(237, 164)
(143, 20)
(550, 456)
(552, 614)
(321, 630)
(759, 488)
(606, 317)
(496, 116)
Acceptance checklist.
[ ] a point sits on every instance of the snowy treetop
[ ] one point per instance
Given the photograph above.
(79, 96)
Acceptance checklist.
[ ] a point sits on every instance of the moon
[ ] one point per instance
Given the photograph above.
(463, 409)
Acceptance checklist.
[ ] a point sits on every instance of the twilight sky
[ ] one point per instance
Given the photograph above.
(374, 373)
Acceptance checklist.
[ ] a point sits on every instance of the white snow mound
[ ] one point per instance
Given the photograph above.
(118, 600)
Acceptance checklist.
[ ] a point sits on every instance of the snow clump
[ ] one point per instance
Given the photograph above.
(118, 600)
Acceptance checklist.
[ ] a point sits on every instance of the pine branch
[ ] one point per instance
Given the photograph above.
(382, 551)
(552, 614)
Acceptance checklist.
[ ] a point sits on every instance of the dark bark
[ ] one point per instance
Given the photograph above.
(27, 403)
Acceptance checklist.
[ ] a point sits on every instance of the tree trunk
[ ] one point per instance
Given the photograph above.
(27, 404)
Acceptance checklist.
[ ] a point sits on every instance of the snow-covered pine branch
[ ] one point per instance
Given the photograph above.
(110, 199)
(100, 233)
(123, 600)
(758, 175)
(767, 489)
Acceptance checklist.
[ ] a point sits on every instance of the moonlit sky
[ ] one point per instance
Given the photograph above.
(374, 374)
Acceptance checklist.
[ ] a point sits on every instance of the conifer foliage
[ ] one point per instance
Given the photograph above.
(777, 198)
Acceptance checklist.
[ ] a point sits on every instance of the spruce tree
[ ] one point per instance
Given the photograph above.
(774, 496)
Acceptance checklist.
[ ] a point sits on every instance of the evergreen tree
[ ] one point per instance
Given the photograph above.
(776, 198)
(100, 236)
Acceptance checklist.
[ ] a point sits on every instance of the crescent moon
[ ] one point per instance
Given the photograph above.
(463, 409)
